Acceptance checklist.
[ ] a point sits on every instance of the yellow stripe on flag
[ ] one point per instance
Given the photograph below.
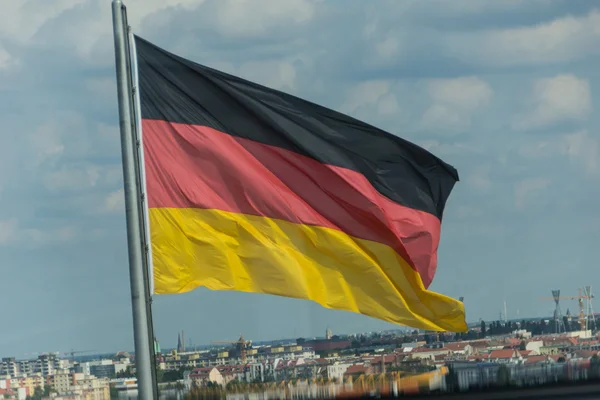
(230, 251)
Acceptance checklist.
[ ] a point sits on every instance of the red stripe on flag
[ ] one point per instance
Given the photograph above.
(189, 166)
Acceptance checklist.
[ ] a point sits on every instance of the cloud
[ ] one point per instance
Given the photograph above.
(22, 19)
(114, 202)
(7, 230)
(557, 99)
(453, 101)
(81, 177)
(563, 39)
(449, 149)
(47, 141)
(408, 67)
(242, 18)
(584, 149)
(528, 190)
(273, 73)
(480, 178)
(67, 178)
(13, 233)
(6, 59)
(365, 93)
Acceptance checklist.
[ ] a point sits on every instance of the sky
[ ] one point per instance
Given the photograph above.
(506, 91)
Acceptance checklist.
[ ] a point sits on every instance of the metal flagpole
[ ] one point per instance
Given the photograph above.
(145, 223)
(144, 350)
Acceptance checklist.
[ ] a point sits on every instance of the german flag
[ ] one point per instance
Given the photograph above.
(255, 190)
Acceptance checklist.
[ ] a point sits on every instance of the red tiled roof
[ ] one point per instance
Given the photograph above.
(585, 353)
(457, 346)
(386, 359)
(356, 369)
(201, 371)
(478, 357)
(535, 359)
(429, 350)
(502, 354)
(479, 343)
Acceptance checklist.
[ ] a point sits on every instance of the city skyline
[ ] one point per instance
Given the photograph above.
(506, 92)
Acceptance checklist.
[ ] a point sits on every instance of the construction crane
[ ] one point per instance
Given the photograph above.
(582, 317)
(241, 345)
(73, 352)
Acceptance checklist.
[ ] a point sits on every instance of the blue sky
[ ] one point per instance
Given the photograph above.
(506, 91)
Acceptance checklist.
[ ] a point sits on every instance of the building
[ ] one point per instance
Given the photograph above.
(202, 376)
(461, 348)
(9, 367)
(79, 386)
(47, 364)
(337, 370)
(325, 345)
(61, 383)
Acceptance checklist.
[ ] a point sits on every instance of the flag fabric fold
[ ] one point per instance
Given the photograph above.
(255, 190)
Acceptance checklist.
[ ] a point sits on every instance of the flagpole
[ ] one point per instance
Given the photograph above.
(144, 350)
(145, 222)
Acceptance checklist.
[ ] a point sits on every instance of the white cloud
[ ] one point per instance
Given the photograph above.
(47, 141)
(72, 178)
(365, 93)
(467, 212)
(7, 230)
(272, 73)
(70, 135)
(580, 147)
(43, 237)
(243, 18)
(528, 190)
(454, 101)
(6, 59)
(20, 20)
(136, 12)
(561, 98)
(563, 39)
(114, 202)
(584, 149)
(104, 86)
(12, 233)
(88, 24)
(388, 105)
(480, 178)
(450, 150)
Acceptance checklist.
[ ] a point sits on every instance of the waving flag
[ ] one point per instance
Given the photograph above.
(255, 190)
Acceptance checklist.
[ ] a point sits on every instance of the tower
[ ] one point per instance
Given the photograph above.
(559, 324)
(591, 318)
(157, 351)
(178, 342)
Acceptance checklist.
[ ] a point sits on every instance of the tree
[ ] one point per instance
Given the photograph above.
(561, 359)
(171, 375)
(127, 373)
(503, 378)
(483, 330)
(37, 394)
(523, 345)
(595, 366)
